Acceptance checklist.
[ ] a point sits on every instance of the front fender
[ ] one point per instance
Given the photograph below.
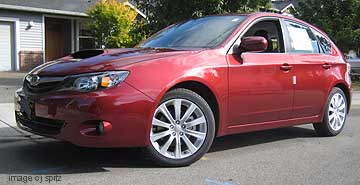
(155, 78)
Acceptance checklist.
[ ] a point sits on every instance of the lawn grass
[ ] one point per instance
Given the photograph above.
(356, 85)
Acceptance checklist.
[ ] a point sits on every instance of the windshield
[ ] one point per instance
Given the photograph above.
(205, 32)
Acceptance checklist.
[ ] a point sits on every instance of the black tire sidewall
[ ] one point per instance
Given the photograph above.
(205, 108)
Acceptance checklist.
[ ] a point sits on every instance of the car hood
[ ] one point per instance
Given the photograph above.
(103, 60)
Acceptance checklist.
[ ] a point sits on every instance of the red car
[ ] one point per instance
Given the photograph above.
(191, 82)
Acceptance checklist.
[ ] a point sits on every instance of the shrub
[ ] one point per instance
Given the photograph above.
(114, 24)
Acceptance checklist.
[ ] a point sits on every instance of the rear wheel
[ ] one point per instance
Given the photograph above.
(183, 128)
(335, 114)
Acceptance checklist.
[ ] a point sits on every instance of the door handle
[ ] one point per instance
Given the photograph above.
(326, 66)
(286, 67)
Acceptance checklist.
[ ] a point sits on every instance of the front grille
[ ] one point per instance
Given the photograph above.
(40, 125)
(41, 88)
(43, 84)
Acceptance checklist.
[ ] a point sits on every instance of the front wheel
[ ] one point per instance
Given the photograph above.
(335, 114)
(183, 129)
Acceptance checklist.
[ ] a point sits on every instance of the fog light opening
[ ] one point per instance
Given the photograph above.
(103, 127)
(96, 128)
(100, 129)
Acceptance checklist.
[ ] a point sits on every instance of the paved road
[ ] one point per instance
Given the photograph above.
(292, 155)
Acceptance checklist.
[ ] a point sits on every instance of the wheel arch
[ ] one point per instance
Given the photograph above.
(205, 92)
(346, 91)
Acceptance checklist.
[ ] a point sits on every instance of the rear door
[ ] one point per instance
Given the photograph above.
(312, 67)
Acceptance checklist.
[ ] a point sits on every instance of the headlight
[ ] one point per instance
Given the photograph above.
(95, 81)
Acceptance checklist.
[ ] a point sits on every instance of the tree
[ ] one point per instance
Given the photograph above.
(114, 24)
(339, 18)
(162, 13)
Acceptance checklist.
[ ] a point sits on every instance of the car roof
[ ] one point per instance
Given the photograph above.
(268, 14)
(261, 14)
(256, 15)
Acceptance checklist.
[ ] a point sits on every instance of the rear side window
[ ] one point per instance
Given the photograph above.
(324, 43)
(301, 39)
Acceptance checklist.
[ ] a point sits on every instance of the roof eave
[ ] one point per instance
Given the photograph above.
(42, 10)
(60, 12)
(287, 7)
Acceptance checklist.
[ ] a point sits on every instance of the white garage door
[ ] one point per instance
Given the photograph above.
(6, 46)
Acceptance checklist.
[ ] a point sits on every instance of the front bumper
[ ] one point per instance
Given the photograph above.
(67, 116)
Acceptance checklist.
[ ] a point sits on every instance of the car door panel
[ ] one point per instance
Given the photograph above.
(259, 91)
(312, 68)
(313, 73)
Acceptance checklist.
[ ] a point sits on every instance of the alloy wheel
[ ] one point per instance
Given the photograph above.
(179, 128)
(337, 111)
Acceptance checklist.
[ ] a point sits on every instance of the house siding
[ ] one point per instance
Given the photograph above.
(30, 39)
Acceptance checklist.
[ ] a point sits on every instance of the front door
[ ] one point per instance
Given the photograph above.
(259, 90)
(261, 84)
(57, 38)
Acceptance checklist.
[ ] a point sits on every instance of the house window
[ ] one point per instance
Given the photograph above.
(86, 37)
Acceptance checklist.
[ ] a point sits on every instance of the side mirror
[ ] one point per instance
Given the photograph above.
(254, 44)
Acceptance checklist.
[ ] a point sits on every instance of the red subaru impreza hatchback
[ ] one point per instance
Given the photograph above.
(191, 82)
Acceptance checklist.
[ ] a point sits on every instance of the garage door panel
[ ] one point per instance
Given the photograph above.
(6, 46)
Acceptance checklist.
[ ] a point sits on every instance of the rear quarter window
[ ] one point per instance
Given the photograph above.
(324, 43)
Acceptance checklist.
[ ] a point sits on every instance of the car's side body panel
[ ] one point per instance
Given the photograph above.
(313, 82)
(259, 91)
(270, 125)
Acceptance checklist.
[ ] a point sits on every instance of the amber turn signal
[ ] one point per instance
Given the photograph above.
(105, 81)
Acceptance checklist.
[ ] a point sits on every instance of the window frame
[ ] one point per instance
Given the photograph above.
(79, 36)
(280, 40)
(233, 48)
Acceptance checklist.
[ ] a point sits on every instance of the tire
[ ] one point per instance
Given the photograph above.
(169, 139)
(335, 114)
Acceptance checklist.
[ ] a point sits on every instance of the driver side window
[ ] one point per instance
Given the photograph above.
(271, 31)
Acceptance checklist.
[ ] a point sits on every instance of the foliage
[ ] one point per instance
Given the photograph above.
(114, 24)
(339, 18)
(162, 13)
